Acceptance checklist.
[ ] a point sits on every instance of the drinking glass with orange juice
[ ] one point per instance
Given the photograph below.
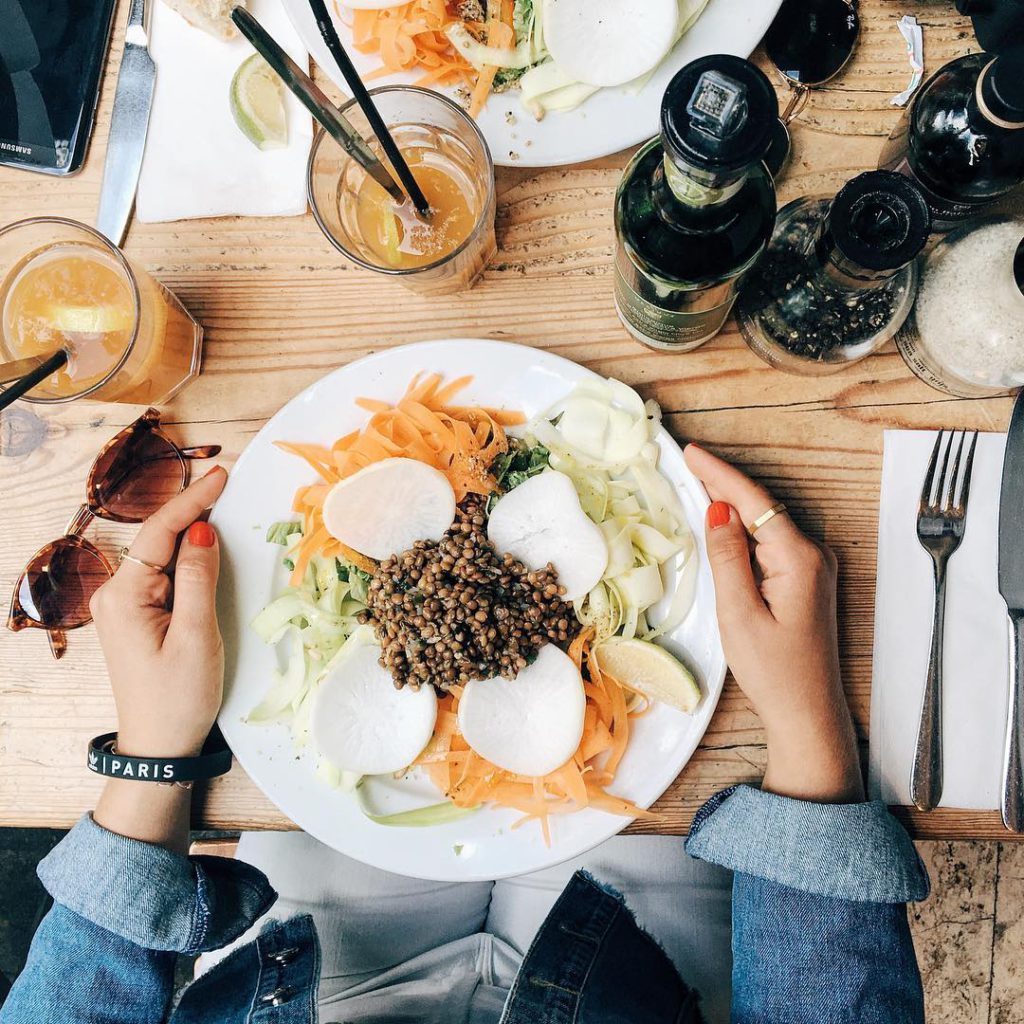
(450, 160)
(63, 285)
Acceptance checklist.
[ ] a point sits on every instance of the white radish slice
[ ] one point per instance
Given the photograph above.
(542, 521)
(362, 724)
(609, 42)
(530, 725)
(385, 508)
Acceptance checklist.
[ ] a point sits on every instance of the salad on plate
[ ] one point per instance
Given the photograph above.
(476, 600)
(556, 53)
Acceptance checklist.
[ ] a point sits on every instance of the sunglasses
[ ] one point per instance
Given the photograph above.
(809, 42)
(137, 472)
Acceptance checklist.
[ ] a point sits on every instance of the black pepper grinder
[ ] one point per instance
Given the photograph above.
(839, 276)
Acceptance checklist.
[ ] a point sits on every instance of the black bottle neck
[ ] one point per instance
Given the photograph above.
(701, 189)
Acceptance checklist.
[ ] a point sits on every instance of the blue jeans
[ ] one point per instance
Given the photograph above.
(820, 932)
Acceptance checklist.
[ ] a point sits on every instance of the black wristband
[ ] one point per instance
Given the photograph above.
(213, 760)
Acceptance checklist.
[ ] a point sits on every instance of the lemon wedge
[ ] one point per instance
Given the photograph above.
(651, 670)
(79, 319)
(257, 104)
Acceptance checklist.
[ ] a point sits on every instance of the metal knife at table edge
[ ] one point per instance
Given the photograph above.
(1011, 586)
(129, 122)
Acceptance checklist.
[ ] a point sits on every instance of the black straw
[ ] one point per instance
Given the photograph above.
(14, 391)
(369, 108)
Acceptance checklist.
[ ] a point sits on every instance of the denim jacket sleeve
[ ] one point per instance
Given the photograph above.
(820, 932)
(123, 910)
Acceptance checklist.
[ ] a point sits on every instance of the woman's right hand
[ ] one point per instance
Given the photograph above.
(777, 616)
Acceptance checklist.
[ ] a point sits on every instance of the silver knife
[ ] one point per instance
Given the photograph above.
(1011, 586)
(133, 100)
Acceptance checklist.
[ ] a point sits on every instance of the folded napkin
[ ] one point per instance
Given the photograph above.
(976, 662)
(197, 162)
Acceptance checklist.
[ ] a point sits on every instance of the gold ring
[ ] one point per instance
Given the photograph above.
(126, 557)
(764, 517)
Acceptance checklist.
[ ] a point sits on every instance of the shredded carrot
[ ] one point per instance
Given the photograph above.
(411, 37)
(468, 779)
(461, 441)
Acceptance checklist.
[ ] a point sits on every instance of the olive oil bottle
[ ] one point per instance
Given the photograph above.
(696, 205)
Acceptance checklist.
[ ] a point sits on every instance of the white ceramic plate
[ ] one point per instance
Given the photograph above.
(611, 120)
(259, 492)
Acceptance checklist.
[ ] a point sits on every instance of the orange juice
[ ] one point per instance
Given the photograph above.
(128, 338)
(397, 234)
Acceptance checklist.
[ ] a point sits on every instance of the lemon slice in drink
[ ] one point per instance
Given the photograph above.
(68, 318)
(651, 670)
(257, 104)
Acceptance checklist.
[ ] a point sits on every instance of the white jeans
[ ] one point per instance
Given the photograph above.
(399, 949)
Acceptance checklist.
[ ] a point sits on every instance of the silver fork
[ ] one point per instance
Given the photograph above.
(941, 520)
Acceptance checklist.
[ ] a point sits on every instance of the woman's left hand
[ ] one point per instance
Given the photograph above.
(166, 658)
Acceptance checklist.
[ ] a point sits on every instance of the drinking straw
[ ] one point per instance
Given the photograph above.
(369, 108)
(33, 377)
(315, 101)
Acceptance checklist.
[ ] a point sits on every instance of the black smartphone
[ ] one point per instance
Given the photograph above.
(52, 54)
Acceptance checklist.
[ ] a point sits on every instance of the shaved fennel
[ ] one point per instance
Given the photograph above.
(602, 436)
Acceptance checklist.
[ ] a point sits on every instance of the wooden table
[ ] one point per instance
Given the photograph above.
(281, 309)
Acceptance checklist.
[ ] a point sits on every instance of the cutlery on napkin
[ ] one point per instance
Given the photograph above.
(197, 162)
(976, 661)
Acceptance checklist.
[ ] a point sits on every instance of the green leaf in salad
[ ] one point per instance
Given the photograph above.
(358, 580)
(280, 532)
(517, 465)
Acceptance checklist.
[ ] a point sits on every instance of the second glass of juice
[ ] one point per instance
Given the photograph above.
(63, 285)
(452, 165)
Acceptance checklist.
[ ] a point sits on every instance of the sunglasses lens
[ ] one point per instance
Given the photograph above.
(810, 40)
(135, 478)
(58, 583)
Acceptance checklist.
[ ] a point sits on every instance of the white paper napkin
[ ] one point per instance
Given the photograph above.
(976, 662)
(197, 161)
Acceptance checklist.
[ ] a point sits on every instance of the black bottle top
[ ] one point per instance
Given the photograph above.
(1001, 90)
(718, 115)
(877, 223)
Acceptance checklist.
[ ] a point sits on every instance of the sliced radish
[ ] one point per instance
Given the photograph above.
(609, 42)
(529, 725)
(542, 521)
(385, 508)
(361, 723)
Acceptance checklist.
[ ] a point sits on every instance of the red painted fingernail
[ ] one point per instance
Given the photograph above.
(201, 535)
(718, 514)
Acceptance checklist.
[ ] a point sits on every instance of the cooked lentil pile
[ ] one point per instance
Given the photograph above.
(455, 610)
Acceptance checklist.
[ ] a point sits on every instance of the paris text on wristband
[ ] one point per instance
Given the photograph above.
(213, 760)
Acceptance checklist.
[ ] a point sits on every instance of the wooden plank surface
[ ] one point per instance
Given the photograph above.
(281, 308)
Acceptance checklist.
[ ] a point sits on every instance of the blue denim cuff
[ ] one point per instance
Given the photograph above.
(150, 896)
(848, 851)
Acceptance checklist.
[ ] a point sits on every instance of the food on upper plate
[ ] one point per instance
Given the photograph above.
(384, 509)
(541, 522)
(445, 613)
(609, 42)
(557, 53)
(361, 723)
(213, 16)
(530, 725)
(437, 556)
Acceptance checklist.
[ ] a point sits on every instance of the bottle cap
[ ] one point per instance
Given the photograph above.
(879, 221)
(1002, 89)
(718, 114)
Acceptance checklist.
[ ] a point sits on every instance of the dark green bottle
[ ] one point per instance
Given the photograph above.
(696, 205)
